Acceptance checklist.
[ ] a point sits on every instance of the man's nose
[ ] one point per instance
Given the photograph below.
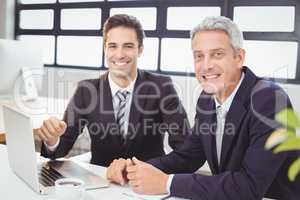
(207, 64)
(120, 53)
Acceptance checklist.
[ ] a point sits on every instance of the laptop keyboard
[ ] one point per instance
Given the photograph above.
(48, 175)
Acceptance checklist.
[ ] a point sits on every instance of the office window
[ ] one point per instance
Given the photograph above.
(80, 19)
(36, 1)
(71, 31)
(272, 59)
(148, 59)
(79, 50)
(176, 55)
(36, 19)
(45, 42)
(176, 20)
(147, 16)
(267, 19)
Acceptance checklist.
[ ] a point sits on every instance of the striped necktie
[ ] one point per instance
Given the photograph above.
(122, 97)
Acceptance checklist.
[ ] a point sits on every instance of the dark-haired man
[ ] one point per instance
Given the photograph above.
(126, 110)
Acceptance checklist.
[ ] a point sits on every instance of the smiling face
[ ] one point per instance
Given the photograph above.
(121, 52)
(217, 65)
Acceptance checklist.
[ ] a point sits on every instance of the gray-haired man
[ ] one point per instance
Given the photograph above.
(235, 116)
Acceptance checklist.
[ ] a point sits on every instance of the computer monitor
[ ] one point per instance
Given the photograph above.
(21, 68)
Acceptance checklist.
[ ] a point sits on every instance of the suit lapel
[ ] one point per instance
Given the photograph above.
(235, 116)
(106, 99)
(232, 124)
(106, 109)
(212, 140)
(138, 103)
(207, 116)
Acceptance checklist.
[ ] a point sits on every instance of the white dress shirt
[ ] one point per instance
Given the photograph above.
(114, 88)
(221, 117)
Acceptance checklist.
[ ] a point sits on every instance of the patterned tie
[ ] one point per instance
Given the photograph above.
(122, 96)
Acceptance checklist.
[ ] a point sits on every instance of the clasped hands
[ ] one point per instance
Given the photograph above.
(142, 177)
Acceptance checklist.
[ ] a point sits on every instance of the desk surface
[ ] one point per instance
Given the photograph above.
(11, 187)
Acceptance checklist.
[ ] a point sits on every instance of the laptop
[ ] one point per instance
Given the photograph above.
(23, 158)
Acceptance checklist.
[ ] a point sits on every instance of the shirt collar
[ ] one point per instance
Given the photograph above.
(226, 105)
(115, 87)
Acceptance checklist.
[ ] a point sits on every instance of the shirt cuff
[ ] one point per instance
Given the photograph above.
(169, 183)
(53, 147)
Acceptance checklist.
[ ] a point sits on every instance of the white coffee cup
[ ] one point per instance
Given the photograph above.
(69, 189)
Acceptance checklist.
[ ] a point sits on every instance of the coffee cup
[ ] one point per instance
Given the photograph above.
(69, 189)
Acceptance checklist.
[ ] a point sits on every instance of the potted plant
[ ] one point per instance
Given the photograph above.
(286, 139)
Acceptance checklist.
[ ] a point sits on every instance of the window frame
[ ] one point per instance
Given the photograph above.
(226, 6)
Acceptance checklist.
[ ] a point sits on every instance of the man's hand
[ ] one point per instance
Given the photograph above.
(51, 130)
(146, 179)
(116, 172)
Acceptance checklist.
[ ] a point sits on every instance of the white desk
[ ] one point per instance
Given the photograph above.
(11, 187)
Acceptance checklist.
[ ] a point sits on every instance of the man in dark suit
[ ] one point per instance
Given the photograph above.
(235, 116)
(126, 110)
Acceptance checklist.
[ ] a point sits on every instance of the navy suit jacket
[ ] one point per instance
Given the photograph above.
(155, 109)
(247, 171)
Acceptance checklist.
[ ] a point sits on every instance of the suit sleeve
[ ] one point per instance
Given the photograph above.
(189, 158)
(74, 117)
(173, 115)
(258, 168)
(186, 160)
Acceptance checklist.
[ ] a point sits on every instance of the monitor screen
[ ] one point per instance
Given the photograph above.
(14, 56)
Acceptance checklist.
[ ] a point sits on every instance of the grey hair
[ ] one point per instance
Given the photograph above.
(220, 23)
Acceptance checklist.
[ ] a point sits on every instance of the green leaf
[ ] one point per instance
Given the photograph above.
(290, 133)
(277, 137)
(292, 143)
(294, 169)
(288, 118)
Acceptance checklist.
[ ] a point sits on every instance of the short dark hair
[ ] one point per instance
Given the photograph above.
(125, 21)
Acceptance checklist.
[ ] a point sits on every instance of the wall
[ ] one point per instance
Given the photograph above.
(61, 83)
(7, 19)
